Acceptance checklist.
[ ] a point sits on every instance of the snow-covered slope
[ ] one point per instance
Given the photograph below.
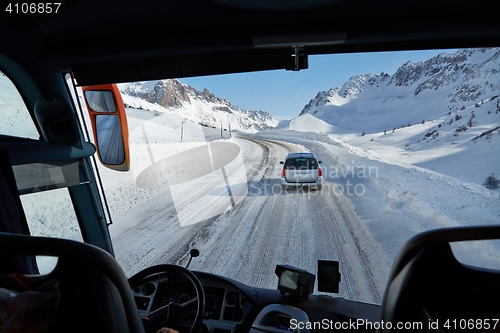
(307, 123)
(203, 108)
(445, 85)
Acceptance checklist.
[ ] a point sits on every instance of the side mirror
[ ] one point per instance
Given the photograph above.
(319, 162)
(109, 125)
(281, 162)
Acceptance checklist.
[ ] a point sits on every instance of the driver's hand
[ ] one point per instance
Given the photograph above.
(167, 330)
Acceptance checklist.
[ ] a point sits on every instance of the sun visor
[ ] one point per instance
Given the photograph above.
(300, 39)
(190, 65)
(43, 152)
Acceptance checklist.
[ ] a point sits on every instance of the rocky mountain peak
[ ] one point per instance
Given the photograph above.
(407, 74)
(167, 93)
(322, 98)
(203, 107)
(461, 71)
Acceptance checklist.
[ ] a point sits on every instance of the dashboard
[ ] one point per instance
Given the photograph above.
(226, 304)
(233, 307)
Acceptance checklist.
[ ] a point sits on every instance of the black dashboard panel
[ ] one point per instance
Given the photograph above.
(226, 303)
(233, 307)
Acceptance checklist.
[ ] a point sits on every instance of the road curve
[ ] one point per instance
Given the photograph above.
(260, 226)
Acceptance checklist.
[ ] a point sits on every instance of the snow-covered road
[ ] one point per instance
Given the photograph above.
(244, 224)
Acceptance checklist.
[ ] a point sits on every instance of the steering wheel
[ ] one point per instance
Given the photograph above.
(170, 315)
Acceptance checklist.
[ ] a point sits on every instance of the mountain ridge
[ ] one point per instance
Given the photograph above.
(453, 80)
(202, 107)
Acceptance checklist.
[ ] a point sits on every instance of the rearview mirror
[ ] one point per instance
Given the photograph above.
(109, 125)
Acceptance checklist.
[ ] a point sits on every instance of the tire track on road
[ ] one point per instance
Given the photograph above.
(244, 221)
(218, 248)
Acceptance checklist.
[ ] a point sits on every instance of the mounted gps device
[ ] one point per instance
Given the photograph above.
(295, 283)
(328, 276)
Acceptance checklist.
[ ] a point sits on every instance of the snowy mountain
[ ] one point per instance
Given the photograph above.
(447, 84)
(200, 107)
(442, 115)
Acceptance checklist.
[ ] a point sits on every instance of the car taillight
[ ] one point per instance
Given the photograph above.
(283, 172)
(320, 172)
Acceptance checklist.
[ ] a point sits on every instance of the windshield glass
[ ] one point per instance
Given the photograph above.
(15, 119)
(408, 142)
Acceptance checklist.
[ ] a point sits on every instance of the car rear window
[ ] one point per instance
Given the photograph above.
(301, 163)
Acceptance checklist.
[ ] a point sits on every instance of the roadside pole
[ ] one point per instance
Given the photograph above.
(182, 129)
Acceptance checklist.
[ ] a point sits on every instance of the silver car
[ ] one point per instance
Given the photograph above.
(301, 169)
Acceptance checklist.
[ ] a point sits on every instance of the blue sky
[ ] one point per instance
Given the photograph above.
(284, 93)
